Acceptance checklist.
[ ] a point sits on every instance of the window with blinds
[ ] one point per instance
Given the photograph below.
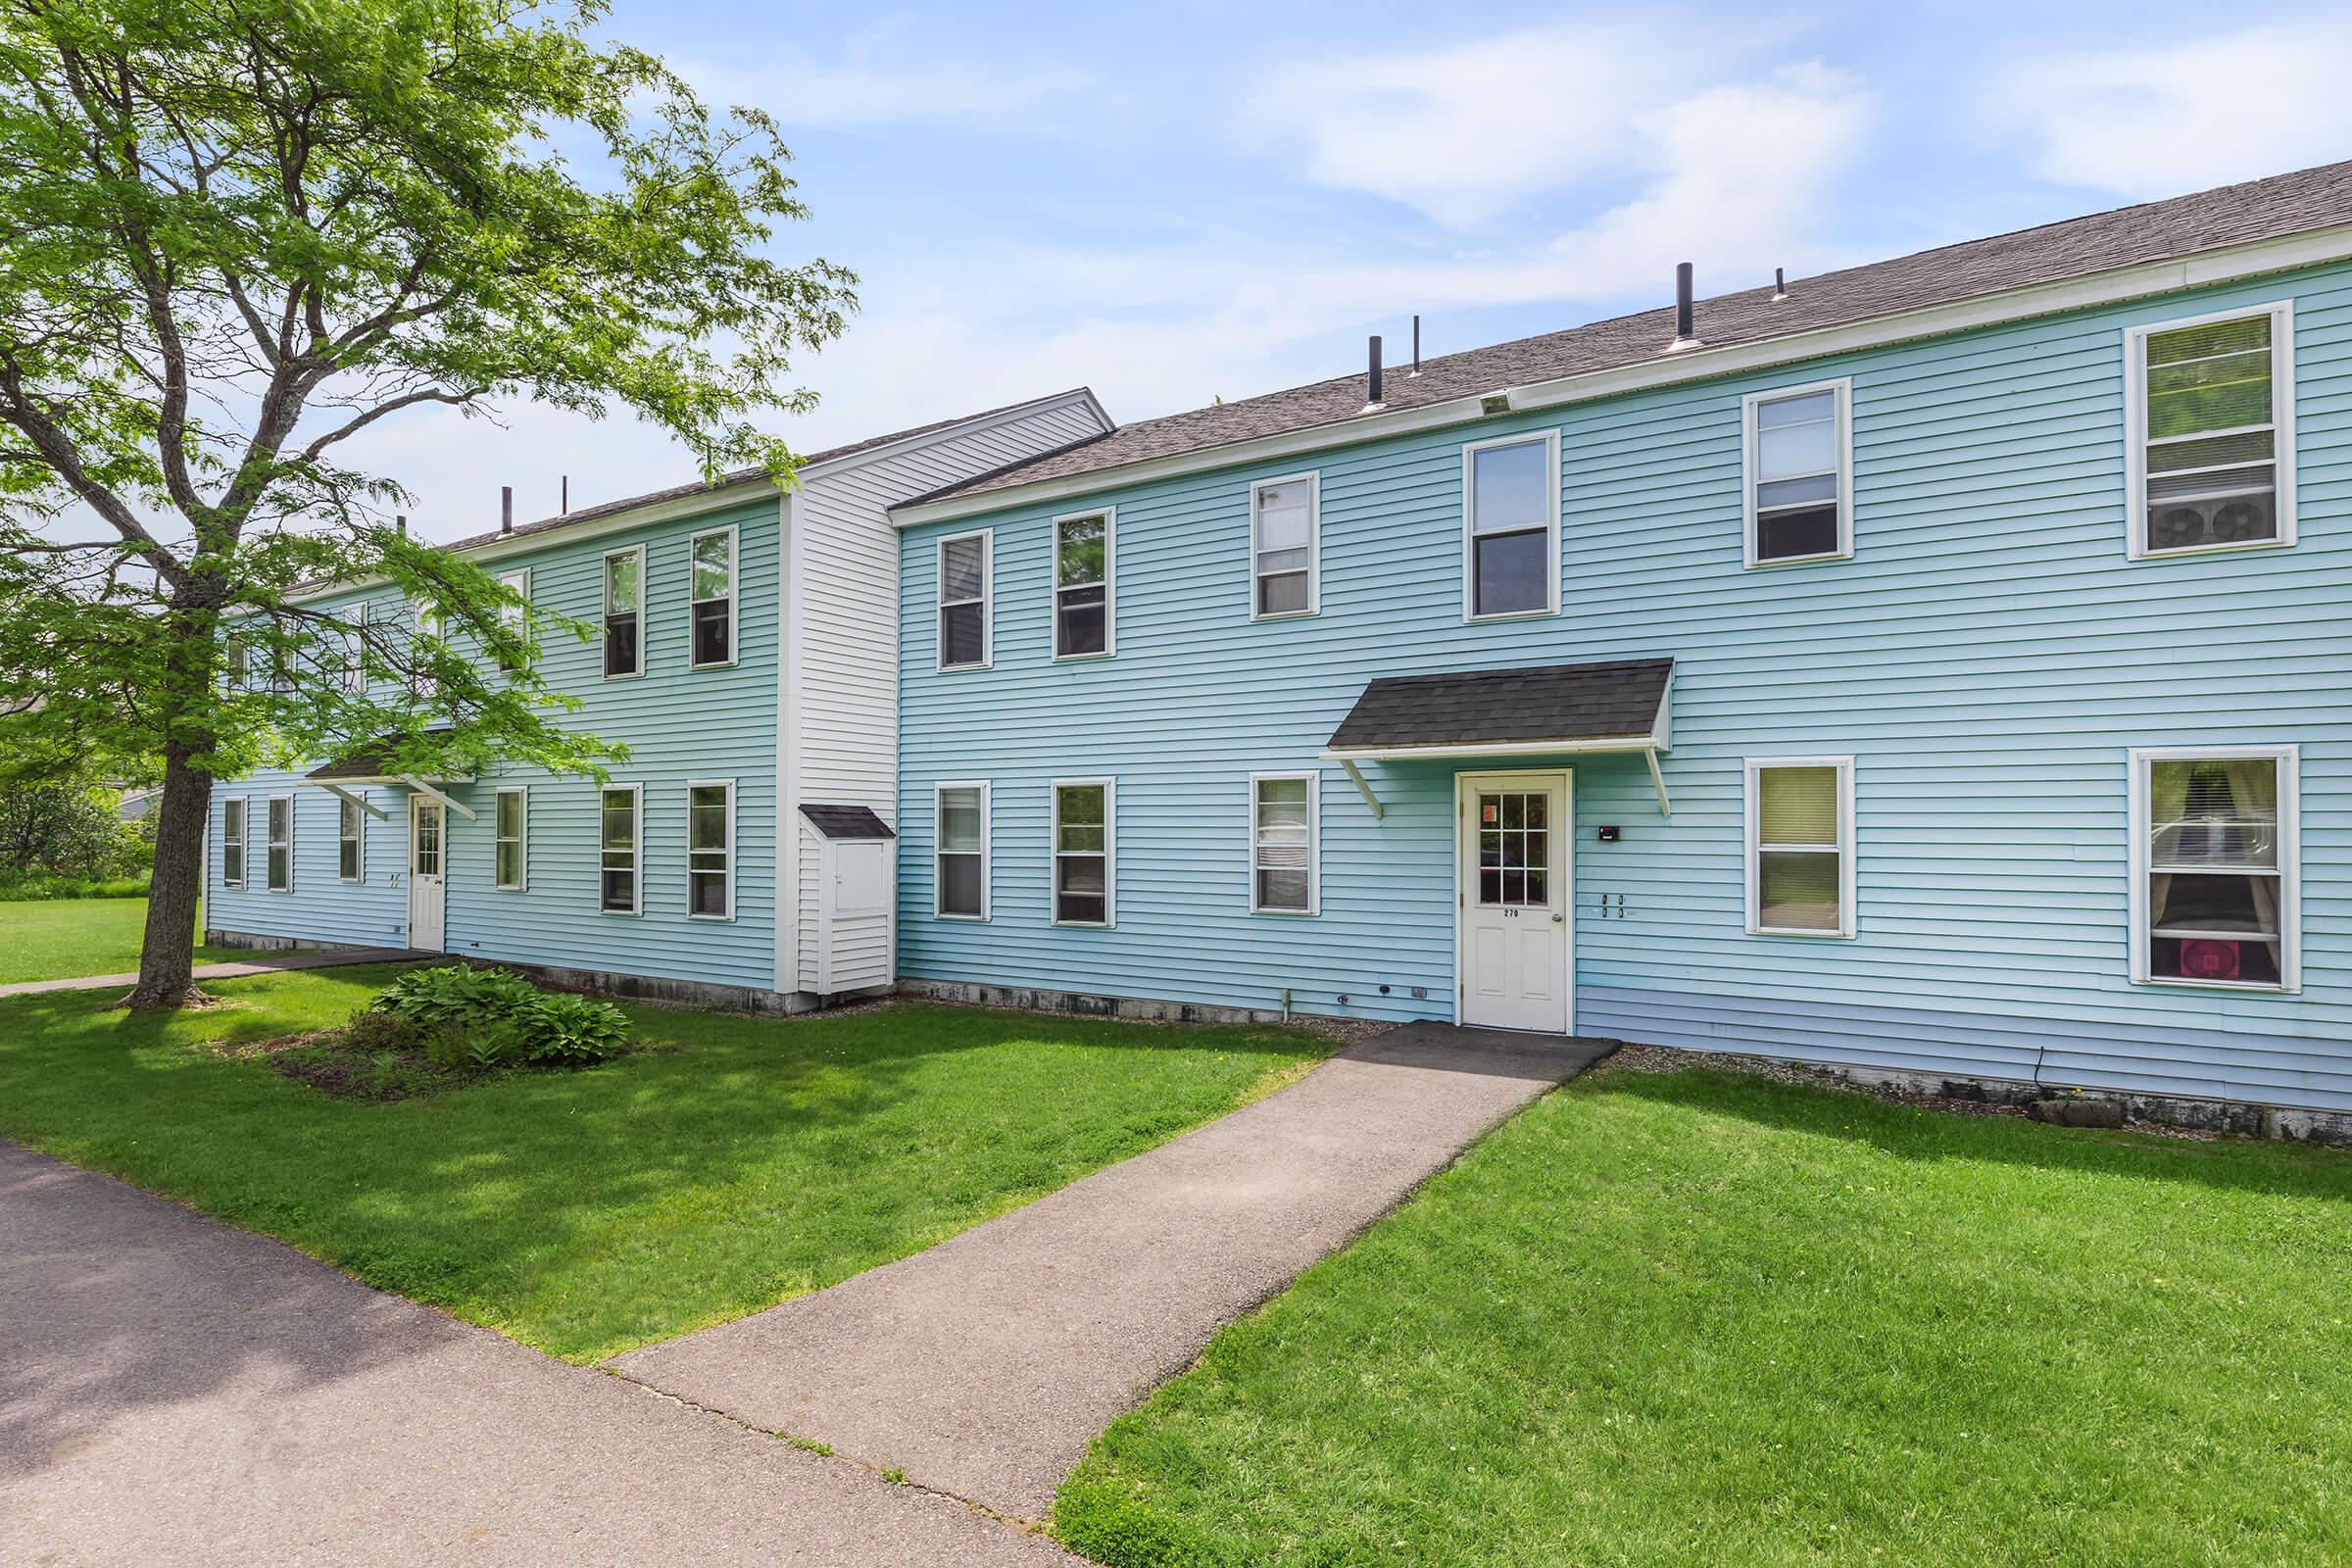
(1282, 843)
(2212, 411)
(964, 586)
(1799, 846)
(2214, 865)
(1798, 474)
(1283, 546)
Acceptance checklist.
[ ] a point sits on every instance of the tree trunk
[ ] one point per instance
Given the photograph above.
(169, 951)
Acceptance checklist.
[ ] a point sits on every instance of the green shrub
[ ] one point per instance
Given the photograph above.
(34, 886)
(571, 1031)
(378, 1030)
(431, 999)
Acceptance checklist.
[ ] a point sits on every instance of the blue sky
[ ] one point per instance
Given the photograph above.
(1185, 201)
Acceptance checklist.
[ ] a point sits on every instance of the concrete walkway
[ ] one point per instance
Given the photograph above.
(176, 1391)
(260, 963)
(984, 1366)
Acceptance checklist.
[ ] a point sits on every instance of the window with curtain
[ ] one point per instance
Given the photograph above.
(710, 851)
(2217, 875)
(962, 851)
(1797, 474)
(711, 557)
(1081, 850)
(2209, 418)
(625, 592)
(350, 847)
(1513, 491)
(1282, 844)
(1082, 585)
(617, 852)
(1799, 866)
(1282, 527)
(964, 601)
(232, 844)
(508, 829)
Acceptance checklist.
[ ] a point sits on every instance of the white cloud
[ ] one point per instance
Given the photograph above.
(1462, 133)
(2146, 122)
(882, 76)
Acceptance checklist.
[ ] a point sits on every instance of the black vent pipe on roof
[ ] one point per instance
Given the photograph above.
(1416, 345)
(1779, 283)
(1682, 303)
(505, 508)
(1374, 379)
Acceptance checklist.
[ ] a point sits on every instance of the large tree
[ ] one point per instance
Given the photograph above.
(235, 234)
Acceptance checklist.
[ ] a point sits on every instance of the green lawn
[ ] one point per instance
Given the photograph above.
(55, 939)
(1712, 1319)
(586, 1212)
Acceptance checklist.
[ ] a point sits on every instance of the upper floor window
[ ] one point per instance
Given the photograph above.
(1511, 527)
(1800, 466)
(961, 868)
(965, 570)
(233, 843)
(2210, 415)
(514, 618)
(354, 648)
(1285, 542)
(624, 600)
(1083, 876)
(1082, 569)
(423, 648)
(2214, 850)
(714, 614)
(1800, 846)
(237, 662)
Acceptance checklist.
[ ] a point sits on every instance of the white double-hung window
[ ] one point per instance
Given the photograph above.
(278, 858)
(620, 844)
(1083, 611)
(1800, 473)
(351, 845)
(233, 843)
(2215, 894)
(1800, 846)
(965, 567)
(1083, 851)
(1285, 542)
(624, 603)
(711, 633)
(959, 811)
(710, 850)
(510, 832)
(1511, 527)
(1283, 818)
(2210, 431)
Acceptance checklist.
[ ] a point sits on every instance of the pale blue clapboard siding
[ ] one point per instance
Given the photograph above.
(680, 724)
(1988, 656)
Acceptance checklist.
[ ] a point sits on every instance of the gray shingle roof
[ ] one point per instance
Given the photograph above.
(371, 760)
(846, 821)
(2183, 226)
(1503, 707)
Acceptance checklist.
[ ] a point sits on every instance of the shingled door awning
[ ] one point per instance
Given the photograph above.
(373, 764)
(1541, 710)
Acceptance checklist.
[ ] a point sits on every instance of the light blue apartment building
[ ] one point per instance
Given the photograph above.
(1938, 667)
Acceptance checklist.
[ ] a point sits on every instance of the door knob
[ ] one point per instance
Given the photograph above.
(1557, 917)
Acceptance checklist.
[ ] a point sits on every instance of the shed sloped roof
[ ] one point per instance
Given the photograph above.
(1570, 703)
(846, 821)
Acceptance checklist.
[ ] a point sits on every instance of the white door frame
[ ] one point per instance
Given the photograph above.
(1564, 883)
(417, 802)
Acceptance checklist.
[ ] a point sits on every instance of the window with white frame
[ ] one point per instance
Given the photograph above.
(619, 842)
(1083, 852)
(354, 648)
(710, 850)
(713, 631)
(965, 570)
(2215, 898)
(509, 830)
(232, 844)
(423, 647)
(513, 618)
(351, 845)
(1082, 569)
(1800, 473)
(236, 660)
(2209, 411)
(1800, 846)
(1511, 527)
(960, 879)
(1285, 543)
(1283, 823)
(625, 601)
(277, 863)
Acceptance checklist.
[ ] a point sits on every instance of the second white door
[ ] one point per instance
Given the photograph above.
(427, 889)
(1514, 936)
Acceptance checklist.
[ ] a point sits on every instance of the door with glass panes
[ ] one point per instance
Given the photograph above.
(1513, 933)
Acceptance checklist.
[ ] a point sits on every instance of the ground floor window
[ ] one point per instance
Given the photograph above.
(710, 851)
(1282, 843)
(351, 859)
(960, 872)
(618, 842)
(1800, 846)
(513, 810)
(1083, 851)
(2215, 900)
(279, 859)
(232, 844)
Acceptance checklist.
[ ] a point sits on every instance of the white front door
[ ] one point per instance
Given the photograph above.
(427, 891)
(1514, 870)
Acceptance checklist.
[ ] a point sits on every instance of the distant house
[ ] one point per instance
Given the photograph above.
(1936, 666)
(748, 659)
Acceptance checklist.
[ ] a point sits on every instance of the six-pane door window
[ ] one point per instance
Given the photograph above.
(964, 633)
(350, 849)
(710, 851)
(1797, 474)
(1799, 846)
(617, 851)
(2212, 411)
(624, 591)
(1082, 853)
(512, 807)
(1512, 507)
(1082, 585)
(1281, 844)
(278, 861)
(1283, 525)
(2218, 861)
(962, 853)
(712, 556)
(232, 844)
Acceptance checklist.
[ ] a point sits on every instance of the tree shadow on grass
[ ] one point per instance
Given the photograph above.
(2272, 1168)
